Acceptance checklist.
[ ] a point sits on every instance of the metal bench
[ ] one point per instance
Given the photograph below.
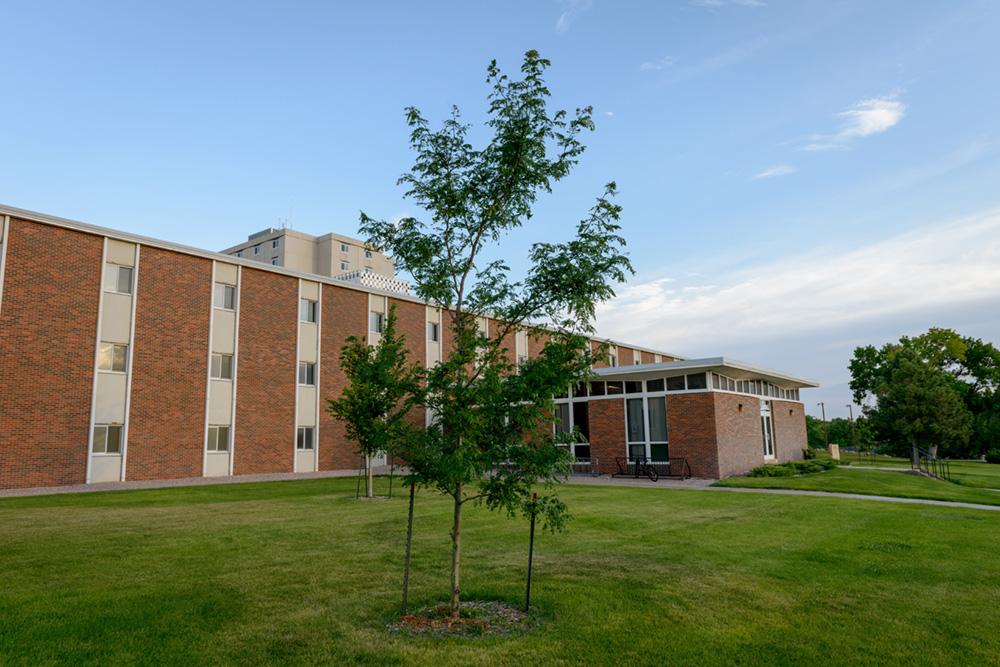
(676, 468)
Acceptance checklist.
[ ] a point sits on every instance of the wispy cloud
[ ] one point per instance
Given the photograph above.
(609, 114)
(872, 116)
(657, 65)
(776, 170)
(712, 4)
(920, 271)
(571, 10)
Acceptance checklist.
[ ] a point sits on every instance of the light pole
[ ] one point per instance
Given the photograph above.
(826, 428)
(854, 439)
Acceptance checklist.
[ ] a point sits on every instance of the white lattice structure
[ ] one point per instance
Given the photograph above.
(374, 280)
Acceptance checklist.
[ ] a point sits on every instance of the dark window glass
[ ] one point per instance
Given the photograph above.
(633, 387)
(636, 451)
(581, 419)
(675, 383)
(581, 451)
(614, 387)
(697, 381)
(580, 389)
(657, 420)
(597, 389)
(634, 420)
(654, 385)
(659, 452)
(562, 412)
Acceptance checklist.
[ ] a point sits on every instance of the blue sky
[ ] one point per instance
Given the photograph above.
(798, 177)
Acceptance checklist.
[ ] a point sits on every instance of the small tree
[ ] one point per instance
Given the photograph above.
(384, 387)
(490, 440)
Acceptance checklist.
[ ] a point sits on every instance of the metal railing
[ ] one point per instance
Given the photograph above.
(931, 466)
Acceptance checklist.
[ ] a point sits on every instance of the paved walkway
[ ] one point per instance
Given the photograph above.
(706, 485)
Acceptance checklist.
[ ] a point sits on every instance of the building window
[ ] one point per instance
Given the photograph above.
(635, 428)
(304, 438)
(218, 438)
(633, 387)
(118, 279)
(256, 250)
(274, 243)
(113, 357)
(368, 254)
(656, 409)
(766, 429)
(375, 322)
(343, 247)
(239, 254)
(433, 331)
(222, 366)
(107, 439)
(675, 383)
(613, 357)
(307, 373)
(307, 310)
(697, 381)
(522, 359)
(274, 261)
(225, 296)
(654, 385)
(344, 266)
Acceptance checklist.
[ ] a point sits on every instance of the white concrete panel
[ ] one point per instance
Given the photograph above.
(105, 467)
(307, 407)
(110, 404)
(376, 303)
(220, 402)
(120, 252)
(310, 290)
(223, 331)
(305, 460)
(307, 342)
(225, 273)
(116, 318)
(217, 464)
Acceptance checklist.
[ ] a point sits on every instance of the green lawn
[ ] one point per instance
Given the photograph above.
(903, 484)
(302, 573)
(968, 473)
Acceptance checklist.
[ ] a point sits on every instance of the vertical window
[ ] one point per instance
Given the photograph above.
(307, 310)
(767, 432)
(581, 418)
(344, 266)
(304, 438)
(657, 408)
(522, 359)
(274, 243)
(218, 439)
(256, 250)
(239, 254)
(307, 372)
(107, 439)
(113, 357)
(343, 247)
(222, 366)
(375, 322)
(636, 428)
(274, 261)
(613, 357)
(118, 279)
(225, 296)
(433, 331)
(368, 254)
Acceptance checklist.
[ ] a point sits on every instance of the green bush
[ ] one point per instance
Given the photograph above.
(792, 468)
(808, 453)
(993, 456)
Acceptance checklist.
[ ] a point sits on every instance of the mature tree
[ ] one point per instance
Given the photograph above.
(384, 386)
(485, 443)
(970, 366)
(920, 406)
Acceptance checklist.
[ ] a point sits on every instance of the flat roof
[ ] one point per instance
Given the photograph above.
(733, 368)
(56, 221)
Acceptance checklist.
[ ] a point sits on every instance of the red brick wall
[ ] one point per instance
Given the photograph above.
(741, 446)
(600, 360)
(692, 432)
(607, 432)
(169, 366)
(345, 313)
(48, 333)
(266, 373)
(625, 356)
(536, 343)
(411, 322)
(790, 437)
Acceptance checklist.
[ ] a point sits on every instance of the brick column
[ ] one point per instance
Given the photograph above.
(691, 430)
(607, 432)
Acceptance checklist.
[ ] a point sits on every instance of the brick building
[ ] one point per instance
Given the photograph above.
(129, 358)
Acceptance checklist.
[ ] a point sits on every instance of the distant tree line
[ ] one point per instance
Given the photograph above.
(939, 389)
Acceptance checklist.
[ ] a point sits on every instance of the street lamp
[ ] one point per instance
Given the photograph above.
(826, 427)
(854, 439)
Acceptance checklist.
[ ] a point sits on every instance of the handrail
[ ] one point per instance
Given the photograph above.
(932, 466)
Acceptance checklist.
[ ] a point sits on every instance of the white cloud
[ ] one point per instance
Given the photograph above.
(776, 170)
(712, 4)
(657, 65)
(572, 9)
(872, 116)
(921, 271)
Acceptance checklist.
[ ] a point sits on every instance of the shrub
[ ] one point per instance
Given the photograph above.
(808, 453)
(993, 456)
(791, 468)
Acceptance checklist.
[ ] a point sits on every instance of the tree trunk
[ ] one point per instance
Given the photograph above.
(369, 479)
(914, 454)
(409, 544)
(456, 552)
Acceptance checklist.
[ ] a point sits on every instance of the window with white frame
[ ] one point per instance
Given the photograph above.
(376, 322)
(767, 429)
(344, 266)
(274, 243)
(218, 439)
(274, 261)
(113, 357)
(304, 438)
(646, 428)
(239, 254)
(368, 254)
(107, 439)
(225, 296)
(613, 356)
(307, 373)
(343, 247)
(635, 428)
(118, 278)
(433, 331)
(307, 310)
(222, 366)
(256, 250)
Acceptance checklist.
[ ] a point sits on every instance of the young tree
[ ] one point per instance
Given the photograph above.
(384, 387)
(490, 440)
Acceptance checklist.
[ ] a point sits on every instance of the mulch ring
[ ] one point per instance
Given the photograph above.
(475, 619)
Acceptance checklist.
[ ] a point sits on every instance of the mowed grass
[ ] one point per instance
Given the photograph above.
(901, 484)
(302, 573)
(969, 473)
